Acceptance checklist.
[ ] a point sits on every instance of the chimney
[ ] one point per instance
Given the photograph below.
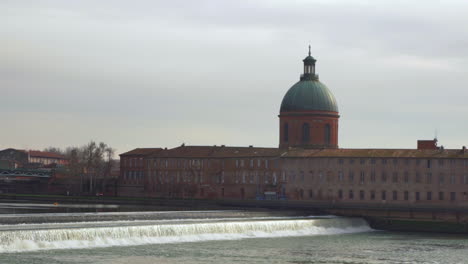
(427, 144)
(463, 149)
(250, 146)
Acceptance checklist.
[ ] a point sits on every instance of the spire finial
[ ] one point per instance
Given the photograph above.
(309, 49)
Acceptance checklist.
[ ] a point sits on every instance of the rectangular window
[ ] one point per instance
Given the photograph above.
(441, 196)
(395, 177)
(418, 177)
(406, 177)
(351, 176)
(441, 178)
(428, 164)
(237, 163)
(429, 178)
(242, 163)
(373, 161)
(251, 163)
(395, 161)
(441, 162)
(351, 161)
(465, 179)
(362, 161)
(362, 177)
(384, 161)
(311, 194)
(372, 195)
(340, 176)
(340, 161)
(266, 164)
(429, 196)
(407, 162)
(361, 195)
(395, 195)
(384, 177)
(418, 162)
(406, 195)
(340, 194)
(417, 197)
(372, 176)
(351, 194)
(384, 195)
(452, 179)
(452, 196)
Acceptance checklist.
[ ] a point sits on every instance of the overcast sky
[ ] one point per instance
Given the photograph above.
(162, 73)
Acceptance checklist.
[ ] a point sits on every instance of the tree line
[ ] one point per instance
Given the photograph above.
(91, 163)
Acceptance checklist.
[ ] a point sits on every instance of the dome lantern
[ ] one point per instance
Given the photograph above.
(309, 68)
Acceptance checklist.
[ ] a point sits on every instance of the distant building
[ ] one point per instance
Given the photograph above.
(26, 158)
(307, 166)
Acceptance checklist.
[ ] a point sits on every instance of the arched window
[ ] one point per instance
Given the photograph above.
(305, 132)
(286, 132)
(327, 134)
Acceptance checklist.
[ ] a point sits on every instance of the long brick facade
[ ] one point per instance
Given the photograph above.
(339, 175)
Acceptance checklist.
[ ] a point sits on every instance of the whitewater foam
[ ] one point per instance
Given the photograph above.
(89, 237)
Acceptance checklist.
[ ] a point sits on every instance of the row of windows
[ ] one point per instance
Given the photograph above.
(186, 177)
(182, 163)
(132, 162)
(428, 163)
(263, 163)
(395, 195)
(133, 175)
(383, 177)
(362, 178)
(252, 163)
(406, 178)
(305, 133)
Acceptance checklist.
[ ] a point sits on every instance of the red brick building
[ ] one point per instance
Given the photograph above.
(30, 158)
(307, 166)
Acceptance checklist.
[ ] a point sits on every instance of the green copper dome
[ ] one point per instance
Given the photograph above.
(309, 95)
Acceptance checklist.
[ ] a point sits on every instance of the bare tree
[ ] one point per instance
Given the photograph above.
(90, 162)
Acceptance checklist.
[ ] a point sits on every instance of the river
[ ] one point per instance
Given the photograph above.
(249, 239)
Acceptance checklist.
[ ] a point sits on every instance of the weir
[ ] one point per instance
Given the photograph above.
(20, 238)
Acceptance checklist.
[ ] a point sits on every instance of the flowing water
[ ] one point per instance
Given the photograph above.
(224, 240)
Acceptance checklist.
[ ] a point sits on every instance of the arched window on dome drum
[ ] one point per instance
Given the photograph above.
(286, 132)
(327, 134)
(305, 132)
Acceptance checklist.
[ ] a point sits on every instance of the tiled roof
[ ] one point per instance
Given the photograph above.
(377, 153)
(217, 152)
(239, 152)
(141, 152)
(44, 154)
